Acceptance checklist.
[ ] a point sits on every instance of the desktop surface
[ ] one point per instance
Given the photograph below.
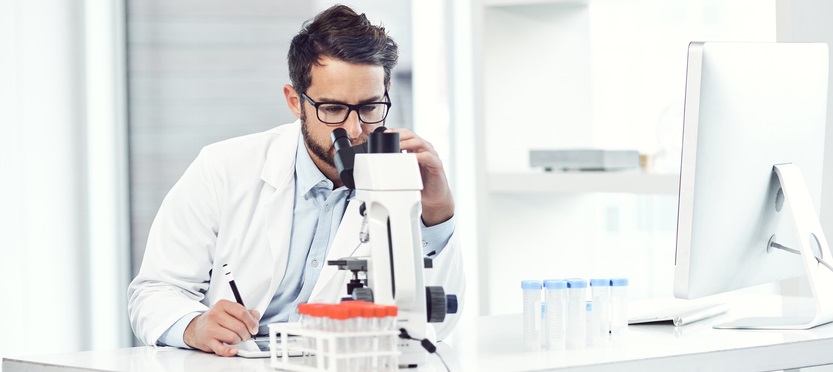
(495, 343)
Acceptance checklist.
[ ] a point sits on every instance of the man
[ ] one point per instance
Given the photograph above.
(272, 207)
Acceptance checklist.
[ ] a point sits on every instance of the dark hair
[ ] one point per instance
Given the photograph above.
(339, 32)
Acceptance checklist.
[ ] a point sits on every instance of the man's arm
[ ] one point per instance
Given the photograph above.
(437, 201)
(176, 269)
(174, 275)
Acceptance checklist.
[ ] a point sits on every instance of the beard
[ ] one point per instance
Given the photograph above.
(326, 151)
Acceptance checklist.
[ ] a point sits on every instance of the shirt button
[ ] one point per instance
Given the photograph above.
(314, 263)
(326, 208)
(424, 244)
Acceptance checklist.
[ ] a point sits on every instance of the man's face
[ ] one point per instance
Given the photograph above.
(338, 81)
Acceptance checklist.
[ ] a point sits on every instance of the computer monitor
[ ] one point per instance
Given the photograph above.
(754, 124)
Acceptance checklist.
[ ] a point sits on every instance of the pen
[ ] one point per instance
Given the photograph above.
(233, 286)
(234, 290)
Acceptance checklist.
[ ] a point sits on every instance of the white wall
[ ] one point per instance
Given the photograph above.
(809, 21)
(62, 252)
(444, 114)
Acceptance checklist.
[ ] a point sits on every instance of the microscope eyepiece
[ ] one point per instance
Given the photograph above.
(380, 142)
(344, 155)
(340, 138)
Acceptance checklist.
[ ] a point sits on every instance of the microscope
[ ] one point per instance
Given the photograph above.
(388, 184)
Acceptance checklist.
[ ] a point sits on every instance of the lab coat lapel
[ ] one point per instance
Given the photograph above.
(279, 173)
(330, 285)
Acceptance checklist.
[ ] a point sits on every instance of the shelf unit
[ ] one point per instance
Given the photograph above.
(584, 74)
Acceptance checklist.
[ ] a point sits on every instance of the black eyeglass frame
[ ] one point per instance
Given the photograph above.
(350, 108)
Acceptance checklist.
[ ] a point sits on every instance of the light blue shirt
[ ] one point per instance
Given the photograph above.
(316, 216)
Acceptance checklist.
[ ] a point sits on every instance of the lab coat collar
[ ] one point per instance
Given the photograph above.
(277, 171)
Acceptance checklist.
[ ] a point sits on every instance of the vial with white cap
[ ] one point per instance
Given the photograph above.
(532, 314)
(576, 317)
(600, 323)
(555, 296)
(618, 306)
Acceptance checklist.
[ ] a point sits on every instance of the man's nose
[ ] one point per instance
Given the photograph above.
(353, 125)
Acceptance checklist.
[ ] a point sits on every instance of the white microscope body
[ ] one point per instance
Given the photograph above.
(389, 185)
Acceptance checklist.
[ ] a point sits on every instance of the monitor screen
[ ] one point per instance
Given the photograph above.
(748, 107)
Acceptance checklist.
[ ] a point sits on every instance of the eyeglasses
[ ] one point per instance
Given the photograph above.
(334, 113)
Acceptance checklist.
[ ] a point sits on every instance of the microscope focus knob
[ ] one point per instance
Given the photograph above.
(363, 294)
(435, 303)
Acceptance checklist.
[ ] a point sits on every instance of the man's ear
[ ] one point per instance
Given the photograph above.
(293, 100)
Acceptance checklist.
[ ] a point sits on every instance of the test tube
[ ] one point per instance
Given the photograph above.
(389, 362)
(379, 342)
(618, 306)
(576, 313)
(367, 324)
(355, 343)
(532, 315)
(600, 324)
(306, 320)
(555, 296)
(358, 323)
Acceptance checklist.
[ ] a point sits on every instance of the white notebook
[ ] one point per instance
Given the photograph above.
(672, 310)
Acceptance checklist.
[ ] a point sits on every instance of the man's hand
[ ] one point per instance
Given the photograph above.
(437, 201)
(227, 322)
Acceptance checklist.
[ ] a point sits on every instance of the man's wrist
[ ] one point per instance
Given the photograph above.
(175, 334)
(431, 217)
(189, 336)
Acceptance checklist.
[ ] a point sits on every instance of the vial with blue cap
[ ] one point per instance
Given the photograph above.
(618, 306)
(576, 313)
(555, 297)
(600, 294)
(532, 314)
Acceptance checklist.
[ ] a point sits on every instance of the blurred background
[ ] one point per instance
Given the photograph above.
(103, 104)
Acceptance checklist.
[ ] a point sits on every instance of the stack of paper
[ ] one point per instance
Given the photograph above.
(672, 310)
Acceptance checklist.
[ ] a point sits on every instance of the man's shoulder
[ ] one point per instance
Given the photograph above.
(244, 156)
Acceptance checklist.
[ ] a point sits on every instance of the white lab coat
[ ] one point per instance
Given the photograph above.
(234, 206)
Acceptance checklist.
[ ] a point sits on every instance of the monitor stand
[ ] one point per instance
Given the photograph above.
(810, 236)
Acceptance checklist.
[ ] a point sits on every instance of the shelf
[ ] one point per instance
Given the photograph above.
(567, 182)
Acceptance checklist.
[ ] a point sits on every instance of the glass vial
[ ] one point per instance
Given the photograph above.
(555, 296)
(531, 314)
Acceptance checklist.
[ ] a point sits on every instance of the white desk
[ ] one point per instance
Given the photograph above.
(495, 344)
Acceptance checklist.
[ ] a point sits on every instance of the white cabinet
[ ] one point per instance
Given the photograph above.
(574, 74)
